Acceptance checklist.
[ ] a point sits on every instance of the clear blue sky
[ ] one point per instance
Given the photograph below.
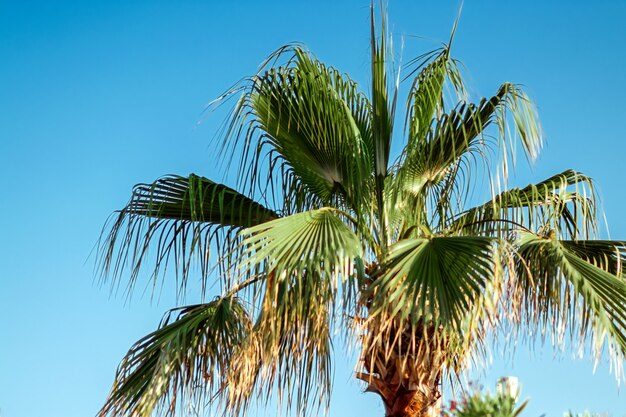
(97, 96)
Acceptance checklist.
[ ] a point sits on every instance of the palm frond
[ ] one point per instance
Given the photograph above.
(382, 104)
(608, 255)
(551, 203)
(452, 135)
(302, 257)
(181, 217)
(574, 284)
(289, 353)
(435, 279)
(383, 111)
(426, 96)
(309, 123)
(185, 360)
(316, 241)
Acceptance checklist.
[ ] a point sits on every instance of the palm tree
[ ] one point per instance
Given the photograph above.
(330, 239)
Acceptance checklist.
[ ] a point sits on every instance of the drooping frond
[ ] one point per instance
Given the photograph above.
(185, 360)
(179, 217)
(551, 203)
(301, 257)
(309, 123)
(289, 353)
(608, 255)
(574, 284)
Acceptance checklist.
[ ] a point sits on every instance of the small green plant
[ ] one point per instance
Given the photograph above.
(502, 404)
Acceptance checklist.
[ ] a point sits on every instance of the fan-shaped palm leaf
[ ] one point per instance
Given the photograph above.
(316, 239)
(434, 279)
(426, 95)
(315, 121)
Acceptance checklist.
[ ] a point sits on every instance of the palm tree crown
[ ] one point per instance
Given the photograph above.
(328, 234)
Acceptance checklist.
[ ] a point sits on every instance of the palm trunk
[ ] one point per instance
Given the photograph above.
(414, 404)
(402, 401)
(405, 371)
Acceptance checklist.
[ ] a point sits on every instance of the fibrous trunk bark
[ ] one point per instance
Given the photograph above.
(404, 367)
(414, 404)
(402, 401)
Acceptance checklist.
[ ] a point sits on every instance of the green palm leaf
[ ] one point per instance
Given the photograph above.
(425, 100)
(427, 91)
(437, 279)
(574, 282)
(317, 239)
(383, 111)
(187, 358)
(196, 199)
(454, 134)
(382, 105)
(608, 255)
(550, 203)
(315, 126)
(301, 257)
(426, 95)
(180, 216)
